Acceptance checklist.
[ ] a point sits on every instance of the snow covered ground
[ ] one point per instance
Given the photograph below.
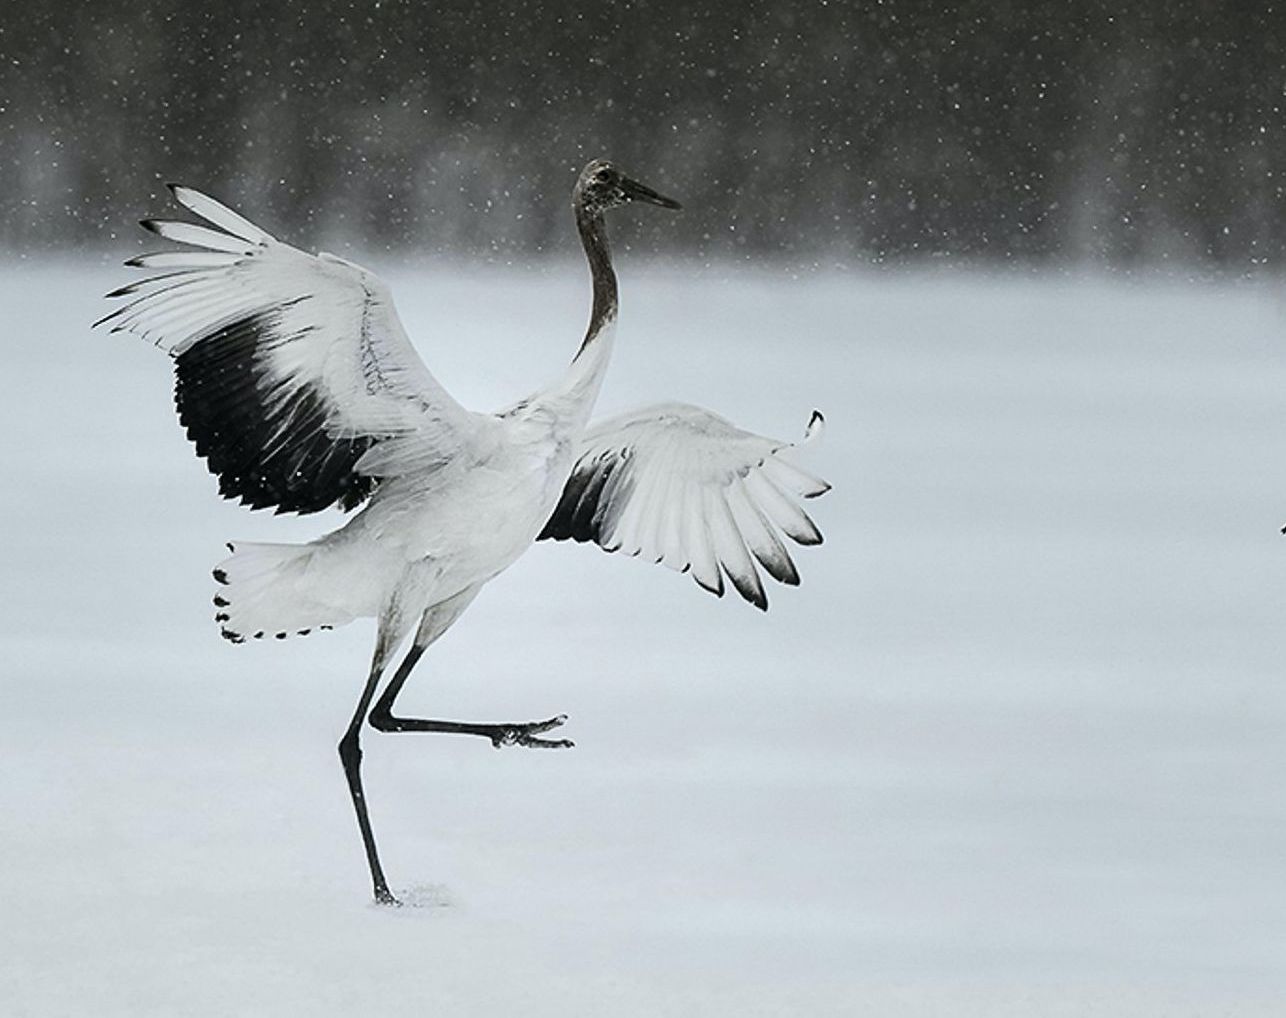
(1015, 747)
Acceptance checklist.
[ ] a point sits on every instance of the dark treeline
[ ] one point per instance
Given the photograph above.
(994, 131)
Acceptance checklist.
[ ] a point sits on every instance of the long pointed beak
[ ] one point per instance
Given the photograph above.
(635, 191)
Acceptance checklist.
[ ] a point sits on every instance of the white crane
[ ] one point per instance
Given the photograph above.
(299, 387)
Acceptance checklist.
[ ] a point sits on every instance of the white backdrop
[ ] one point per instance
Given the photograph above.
(1014, 747)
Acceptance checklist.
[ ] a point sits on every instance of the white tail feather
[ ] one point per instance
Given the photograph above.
(280, 590)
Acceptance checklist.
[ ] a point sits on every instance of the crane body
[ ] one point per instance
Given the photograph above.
(301, 390)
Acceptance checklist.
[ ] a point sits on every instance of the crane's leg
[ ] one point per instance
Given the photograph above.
(350, 753)
(436, 621)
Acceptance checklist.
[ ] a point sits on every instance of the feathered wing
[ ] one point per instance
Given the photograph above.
(684, 487)
(293, 370)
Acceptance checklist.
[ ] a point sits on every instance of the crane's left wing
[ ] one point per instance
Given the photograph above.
(684, 487)
(294, 376)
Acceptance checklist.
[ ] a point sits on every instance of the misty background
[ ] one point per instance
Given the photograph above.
(989, 131)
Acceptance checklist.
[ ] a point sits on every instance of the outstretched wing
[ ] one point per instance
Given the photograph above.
(684, 487)
(290, 367)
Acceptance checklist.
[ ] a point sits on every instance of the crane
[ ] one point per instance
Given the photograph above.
(299, 387)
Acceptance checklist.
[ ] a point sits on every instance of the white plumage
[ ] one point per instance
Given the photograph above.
(300, 388)
(681, 486)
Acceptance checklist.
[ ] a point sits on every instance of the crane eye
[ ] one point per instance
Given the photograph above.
(603, 175)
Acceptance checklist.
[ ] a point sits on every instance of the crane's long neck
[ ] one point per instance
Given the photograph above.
(584, 377)
(593, 237)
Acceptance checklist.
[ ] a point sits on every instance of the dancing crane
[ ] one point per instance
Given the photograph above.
(300, 389)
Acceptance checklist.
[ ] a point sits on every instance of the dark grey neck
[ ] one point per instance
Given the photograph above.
(593, 236)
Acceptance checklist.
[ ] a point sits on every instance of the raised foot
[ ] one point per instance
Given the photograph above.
(525, 734)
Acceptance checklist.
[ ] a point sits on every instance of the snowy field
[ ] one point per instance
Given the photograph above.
(1015, 747)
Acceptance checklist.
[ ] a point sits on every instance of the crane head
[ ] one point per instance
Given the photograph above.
(601, 186)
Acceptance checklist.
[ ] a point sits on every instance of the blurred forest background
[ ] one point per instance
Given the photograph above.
(988, 131)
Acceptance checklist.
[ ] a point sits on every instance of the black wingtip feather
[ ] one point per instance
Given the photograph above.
(780, 567)
(218, 395)
(751, 589)
(716, 590)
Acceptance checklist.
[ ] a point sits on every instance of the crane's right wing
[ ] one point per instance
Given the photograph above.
(684, 487)
(292, 369)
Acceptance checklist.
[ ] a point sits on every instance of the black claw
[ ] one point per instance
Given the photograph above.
(525, 735)
(386, 898)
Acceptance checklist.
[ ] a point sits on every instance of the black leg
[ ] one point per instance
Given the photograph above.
(434, 623)
(503, 734)
(350, 753)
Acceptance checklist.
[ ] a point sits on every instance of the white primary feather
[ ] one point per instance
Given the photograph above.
(199, 236)
(218, 214)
